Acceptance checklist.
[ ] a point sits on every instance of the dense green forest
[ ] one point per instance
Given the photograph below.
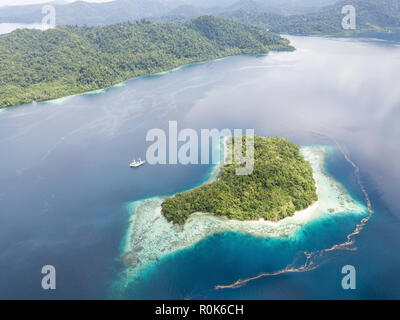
(41, 65)
(374, 17)
(92, 13)
(380, 18)
(281, 184)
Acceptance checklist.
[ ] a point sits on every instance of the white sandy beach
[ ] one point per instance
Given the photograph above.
(151, 237)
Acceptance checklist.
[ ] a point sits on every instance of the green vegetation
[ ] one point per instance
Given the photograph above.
(378, 18)
(281, 184)
(37, 65)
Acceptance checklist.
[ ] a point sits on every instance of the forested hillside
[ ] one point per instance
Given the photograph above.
(372, 16)
(37, 65)
(88, 13)
(376, 18)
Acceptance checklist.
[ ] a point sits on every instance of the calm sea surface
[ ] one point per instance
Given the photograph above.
(65, 181)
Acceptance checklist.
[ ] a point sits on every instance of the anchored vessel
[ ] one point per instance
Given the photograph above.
(137, 163)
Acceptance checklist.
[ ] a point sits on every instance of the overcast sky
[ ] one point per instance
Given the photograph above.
(23, 2)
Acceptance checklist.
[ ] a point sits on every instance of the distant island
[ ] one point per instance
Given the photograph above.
(375, 18)
(281, 184)
(42, 65)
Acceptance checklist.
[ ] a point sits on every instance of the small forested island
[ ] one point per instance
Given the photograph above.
(41, 65)
(281, 184)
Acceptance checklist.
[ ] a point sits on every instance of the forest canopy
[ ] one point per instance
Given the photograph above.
(376, 18)
(41, 65)
(281, 184)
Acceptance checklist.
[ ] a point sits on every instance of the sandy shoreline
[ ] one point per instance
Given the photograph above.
(150, 236)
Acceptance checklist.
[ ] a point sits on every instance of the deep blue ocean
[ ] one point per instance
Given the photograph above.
(66, 184)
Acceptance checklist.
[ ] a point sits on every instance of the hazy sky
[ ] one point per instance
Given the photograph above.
(24, 2)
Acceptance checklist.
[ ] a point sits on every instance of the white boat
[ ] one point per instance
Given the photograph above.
(137, 163)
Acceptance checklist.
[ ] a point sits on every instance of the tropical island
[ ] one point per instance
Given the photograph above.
(281, 184)
(151, 235)
(42, 65)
